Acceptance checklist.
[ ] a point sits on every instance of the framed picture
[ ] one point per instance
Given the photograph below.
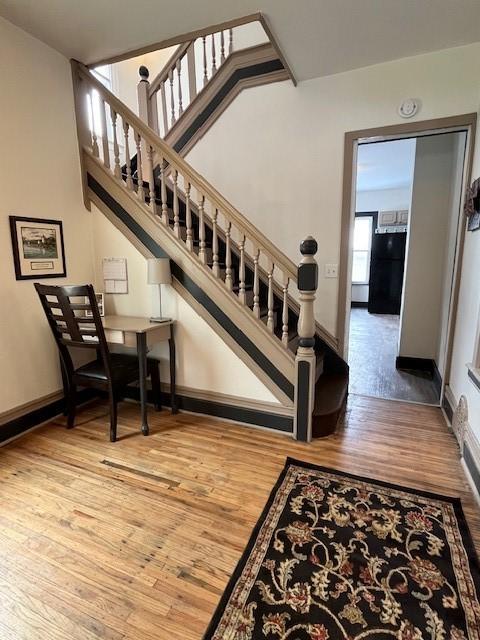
(474, 220)
(38, 250)
(101, 305)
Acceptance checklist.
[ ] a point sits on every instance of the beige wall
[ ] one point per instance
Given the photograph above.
(204, 362)
(39, 177)
(277, 151)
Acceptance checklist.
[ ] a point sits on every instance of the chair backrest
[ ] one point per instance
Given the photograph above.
(73, 315)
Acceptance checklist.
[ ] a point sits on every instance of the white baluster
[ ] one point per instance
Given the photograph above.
(285, 312)
(94, 133)
(163, 194)
(172, 98)
(256, 283)
(270, 323)
(176, 214)
(179, 73)
(241, 275)
(116, 152)
(202, 254)
(228, 257)
(230, 45)
(129, 181)
(163, 98)
(214, 56)
(103, 122)
(216, 266)
(205, 74)
(192, 74)
(189, 241)
(140, 190)
(222, 47)
(151, 182)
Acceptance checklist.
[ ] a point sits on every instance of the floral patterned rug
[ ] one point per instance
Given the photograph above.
(335, 556)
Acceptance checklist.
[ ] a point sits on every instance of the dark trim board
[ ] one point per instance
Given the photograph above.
(29, 420)
(416, 364)
(302, 400)
(449, 410)
(221, 410)
(473, 378)
(471, 466)
(213, 309)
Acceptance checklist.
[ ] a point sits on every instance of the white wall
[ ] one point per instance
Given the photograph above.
(204, 361)
(427, 247)
(277, 151)
(40, 177)
(125, 74)
(383, 199)
(467, 319)
(454, 221)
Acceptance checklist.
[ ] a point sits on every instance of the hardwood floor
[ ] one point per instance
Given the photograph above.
(136, 540)
(376, 375)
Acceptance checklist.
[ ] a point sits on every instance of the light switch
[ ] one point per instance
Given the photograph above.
(331, 271)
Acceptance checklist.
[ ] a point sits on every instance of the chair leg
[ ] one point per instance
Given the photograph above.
(71, 406)
(156, 390)
(113, 417)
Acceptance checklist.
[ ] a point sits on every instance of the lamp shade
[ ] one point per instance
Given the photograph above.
(159, 271)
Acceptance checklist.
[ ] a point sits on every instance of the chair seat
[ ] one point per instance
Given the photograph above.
(124, 369)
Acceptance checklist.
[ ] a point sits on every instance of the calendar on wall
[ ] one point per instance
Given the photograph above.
(115, 276)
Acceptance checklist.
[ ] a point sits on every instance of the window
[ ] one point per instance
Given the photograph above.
(104, 75)
(362, 245)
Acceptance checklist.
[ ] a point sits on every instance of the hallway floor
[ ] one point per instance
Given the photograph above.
(372, 353)
(136, 540)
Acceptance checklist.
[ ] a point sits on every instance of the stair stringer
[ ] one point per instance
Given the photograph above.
(235, 324)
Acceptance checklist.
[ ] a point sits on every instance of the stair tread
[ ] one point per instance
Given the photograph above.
(330, 393)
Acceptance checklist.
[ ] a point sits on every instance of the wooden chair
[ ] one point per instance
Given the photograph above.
(72, 327)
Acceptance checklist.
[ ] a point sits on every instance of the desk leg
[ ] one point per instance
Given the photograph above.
(173, 394)
(142, 366)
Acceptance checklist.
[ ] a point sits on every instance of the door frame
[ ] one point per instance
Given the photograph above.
(466, 122)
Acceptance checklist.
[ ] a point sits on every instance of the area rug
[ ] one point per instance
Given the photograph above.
(335, 556)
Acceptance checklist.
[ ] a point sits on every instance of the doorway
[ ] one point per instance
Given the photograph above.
(405, 234)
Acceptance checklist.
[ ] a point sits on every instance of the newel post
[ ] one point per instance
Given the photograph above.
(147, 107)
(305, 360)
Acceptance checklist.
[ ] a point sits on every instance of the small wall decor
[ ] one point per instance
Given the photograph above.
(115, 275)
(472, 205)
(408, 108)
(38, 249)
(100, 303)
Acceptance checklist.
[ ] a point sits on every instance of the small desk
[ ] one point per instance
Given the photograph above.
(142, 334)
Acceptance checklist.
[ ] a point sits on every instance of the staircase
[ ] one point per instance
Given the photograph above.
(244, 286)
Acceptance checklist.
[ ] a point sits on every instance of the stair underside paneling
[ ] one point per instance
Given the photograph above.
(271, 361)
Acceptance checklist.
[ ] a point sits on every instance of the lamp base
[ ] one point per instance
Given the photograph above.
(160, 320)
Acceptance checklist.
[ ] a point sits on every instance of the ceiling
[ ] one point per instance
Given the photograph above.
(385, 165)
(318, 37)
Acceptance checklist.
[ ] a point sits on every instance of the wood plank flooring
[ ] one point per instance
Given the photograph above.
(372, 354)
(136, 540)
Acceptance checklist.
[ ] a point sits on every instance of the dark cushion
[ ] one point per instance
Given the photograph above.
(124, 368)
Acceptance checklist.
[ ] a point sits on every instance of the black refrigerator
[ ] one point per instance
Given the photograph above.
(386, 272)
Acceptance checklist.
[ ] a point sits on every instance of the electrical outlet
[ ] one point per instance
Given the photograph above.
(331, 271)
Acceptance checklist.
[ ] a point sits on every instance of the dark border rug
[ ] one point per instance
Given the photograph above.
(335, 556)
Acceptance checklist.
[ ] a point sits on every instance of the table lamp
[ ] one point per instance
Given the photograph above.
(159, 273)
